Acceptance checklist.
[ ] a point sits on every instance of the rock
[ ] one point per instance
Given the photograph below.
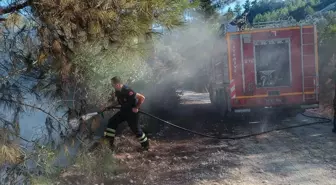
(185, 157)
(157, 157)
(264, 181)
(131, 181)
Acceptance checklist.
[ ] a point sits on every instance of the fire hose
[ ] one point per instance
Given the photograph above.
(320, 121)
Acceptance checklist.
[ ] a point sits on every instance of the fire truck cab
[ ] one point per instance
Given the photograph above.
(266, 68)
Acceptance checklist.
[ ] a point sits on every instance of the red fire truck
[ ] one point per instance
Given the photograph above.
(264, 68)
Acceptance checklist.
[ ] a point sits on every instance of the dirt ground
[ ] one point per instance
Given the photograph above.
(304, 155)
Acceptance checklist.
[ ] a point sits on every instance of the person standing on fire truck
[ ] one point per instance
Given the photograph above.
(130, 102)
(332, 77)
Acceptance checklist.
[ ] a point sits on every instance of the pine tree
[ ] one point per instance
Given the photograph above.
(309, 10)
(254, 3)
(247, 5)
(230, 13)
(76, 43)
(237, 9)
(111, 27)
(208, 8)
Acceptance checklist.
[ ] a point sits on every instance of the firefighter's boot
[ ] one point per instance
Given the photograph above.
(145, 145)
(109, 135)
(144, 142)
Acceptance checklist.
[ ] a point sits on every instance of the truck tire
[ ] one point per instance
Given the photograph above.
(222, 100)
(218, 98)
(292, 112)
(212, 96)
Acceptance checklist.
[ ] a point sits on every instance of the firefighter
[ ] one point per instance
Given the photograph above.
(332, 77)
(130, 102)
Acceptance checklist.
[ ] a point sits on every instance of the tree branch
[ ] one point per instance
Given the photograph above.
(34, 107)
(16, 72)
(14, 7)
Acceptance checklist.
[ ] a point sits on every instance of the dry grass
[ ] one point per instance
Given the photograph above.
(10, 153)
(96, 163)
(90, 167)
(42, 181)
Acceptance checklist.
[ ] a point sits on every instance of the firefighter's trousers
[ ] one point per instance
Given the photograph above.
(133, 121)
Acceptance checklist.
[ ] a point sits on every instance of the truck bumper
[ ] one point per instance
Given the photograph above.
(311, 106)
(256, 109)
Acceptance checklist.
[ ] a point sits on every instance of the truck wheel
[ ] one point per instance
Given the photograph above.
(211, 95)
(292, 112)
(223, 108)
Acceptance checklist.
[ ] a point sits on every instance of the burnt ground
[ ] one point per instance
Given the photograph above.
(304, 155)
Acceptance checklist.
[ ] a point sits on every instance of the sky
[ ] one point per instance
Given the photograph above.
(241, 2)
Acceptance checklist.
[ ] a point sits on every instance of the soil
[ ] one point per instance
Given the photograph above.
(304, 155)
